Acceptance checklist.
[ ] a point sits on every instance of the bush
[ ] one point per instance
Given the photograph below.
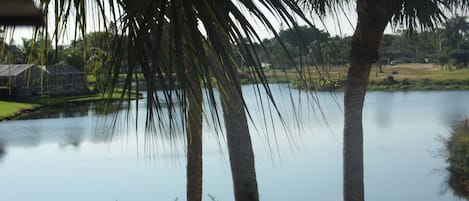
(426, 81)
(329, 84)
(390, 80)
(458, 155)
(405, 81)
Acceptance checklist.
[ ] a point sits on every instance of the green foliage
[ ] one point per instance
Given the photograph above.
(389, 80)
(296, 45)
(441, 46)
(390, 84)
(302, 36)
(8, 108)
(331, 83)
(38, 51)
(459, 57)
(458, 155)
(456, 29)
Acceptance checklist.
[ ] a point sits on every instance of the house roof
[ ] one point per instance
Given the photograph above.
(13, 69)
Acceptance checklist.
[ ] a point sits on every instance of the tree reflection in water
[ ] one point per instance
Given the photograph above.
(459, 188)
(75, 110)
(457, 156)
(2, 151)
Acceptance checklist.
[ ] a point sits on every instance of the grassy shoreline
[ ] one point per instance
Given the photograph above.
(12, 109)
(402, 77)
(418, 77)
(418, 85)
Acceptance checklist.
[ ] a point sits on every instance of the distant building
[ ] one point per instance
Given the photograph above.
(23, 80)
(266, 65)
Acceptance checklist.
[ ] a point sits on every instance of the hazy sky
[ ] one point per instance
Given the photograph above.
(342, 25)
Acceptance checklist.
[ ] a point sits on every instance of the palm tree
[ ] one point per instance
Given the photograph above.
(194, 136)
(455, 30)
(234, 115)
(373, 17)
(329, 53)
(164, 39)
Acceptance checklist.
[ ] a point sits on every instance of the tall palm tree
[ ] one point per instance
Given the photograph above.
(329, 53)
(165, 39)
(373, 17)
(455, 29)
(194, 135)
(234, 115)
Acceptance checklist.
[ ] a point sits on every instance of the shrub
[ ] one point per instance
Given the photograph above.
(390, 80)
(458, 155)
(405, 81)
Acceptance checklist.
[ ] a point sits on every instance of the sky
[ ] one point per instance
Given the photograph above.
(340, 25)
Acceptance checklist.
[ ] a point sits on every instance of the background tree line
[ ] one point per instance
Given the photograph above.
(447, 46)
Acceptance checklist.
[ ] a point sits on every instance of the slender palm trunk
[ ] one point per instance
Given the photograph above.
(372, 20)
(236, 124)
(238, 137)
(239, 142)
(355, 89)
(194, 138)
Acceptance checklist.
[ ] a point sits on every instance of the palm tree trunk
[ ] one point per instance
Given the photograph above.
(355, 90)
(239, 143)
(194, 138)
(238, 137)
(372, 20)
(236, 124)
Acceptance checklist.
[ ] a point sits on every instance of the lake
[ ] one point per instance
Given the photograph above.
(69, 153)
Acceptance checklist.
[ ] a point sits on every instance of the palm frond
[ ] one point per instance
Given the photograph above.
(164, 38)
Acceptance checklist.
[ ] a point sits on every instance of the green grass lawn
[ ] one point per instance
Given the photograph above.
(419, 77)
(8, 108)
(399, 72)
(420, 72)
(404, 77)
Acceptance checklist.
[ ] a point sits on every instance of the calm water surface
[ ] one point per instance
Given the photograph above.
(68, 154)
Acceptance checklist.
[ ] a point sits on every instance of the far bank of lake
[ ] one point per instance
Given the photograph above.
(401, 77)
(12, 109)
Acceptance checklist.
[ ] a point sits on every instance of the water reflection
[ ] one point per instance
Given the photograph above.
(78, 151)
(75, 110)
(384, 108)
(455, 154)
(457, 186)
(66, 125)
(72, 125)
(452, 114)
(33, 136)
(2, 151)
